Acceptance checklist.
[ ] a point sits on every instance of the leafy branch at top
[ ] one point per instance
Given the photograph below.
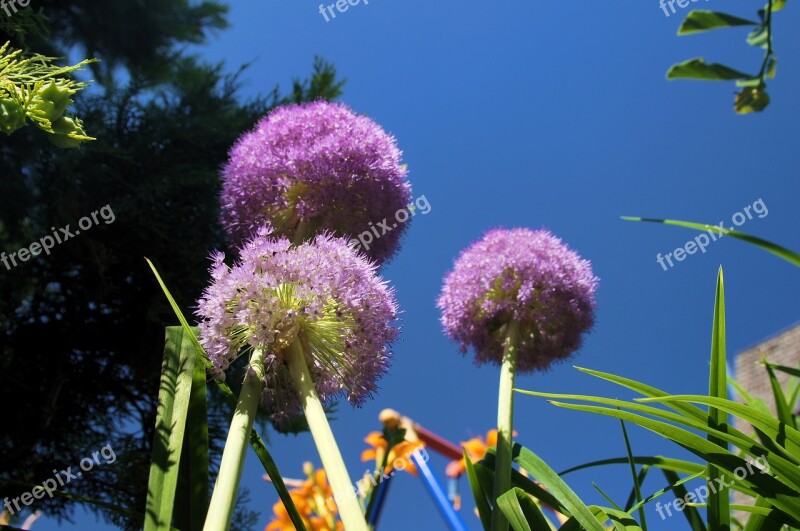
(33, 88)
(753, 96)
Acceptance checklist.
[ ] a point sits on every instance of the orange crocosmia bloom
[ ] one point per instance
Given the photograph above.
(281, 521)
(401, 450)
(476, 450)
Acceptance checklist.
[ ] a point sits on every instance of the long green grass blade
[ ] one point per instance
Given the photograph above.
(191, 499)
(553, 483)
(173, 404)
(780, 489)
(621, 520)
(691, 513)
(778, 432)
(668, 488)
(773, 520)
(633, 497)
(719, 514)
(522, 512)
(256, 442)
(481, 498)
(784, 412)
(646, 390)
(636, 486)
(660, 462)
(782, 252)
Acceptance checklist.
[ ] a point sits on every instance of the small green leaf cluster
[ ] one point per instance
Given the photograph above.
(34, 88)
(753, 96)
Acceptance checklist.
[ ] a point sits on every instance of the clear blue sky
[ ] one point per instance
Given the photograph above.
(556, 115)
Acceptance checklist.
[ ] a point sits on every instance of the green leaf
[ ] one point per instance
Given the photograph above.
(691, 513)
(660, 462)
(697, 68)
(759, 37)
(256, 442)
(757, 521)
(636, 486)
(777, 250)
(480, 496)
(780, 433)
(557, 487)
(784, 411)
(520, 510)
(703, 20)
(660, 492)
(622, 521)
(719, 513)
(780, 489)
(173, 404)
(191, 499)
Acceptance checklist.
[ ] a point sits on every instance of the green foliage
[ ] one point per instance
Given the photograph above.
(34, 88)
(753, 96)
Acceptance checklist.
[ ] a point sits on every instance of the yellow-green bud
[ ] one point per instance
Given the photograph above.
(52, 100)
(12, 115)
(65, 131)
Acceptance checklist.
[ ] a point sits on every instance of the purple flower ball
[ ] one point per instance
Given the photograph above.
(314, 168)
(321, 292)
(523, 275)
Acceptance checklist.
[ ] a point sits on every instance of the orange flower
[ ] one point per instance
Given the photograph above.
(476, 450)
(314, 502)
(399, 455)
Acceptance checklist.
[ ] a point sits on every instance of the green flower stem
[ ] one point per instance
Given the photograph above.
(505, 423)
(332, 462)
(226, 490)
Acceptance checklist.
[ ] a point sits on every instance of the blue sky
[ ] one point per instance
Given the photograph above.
(549, 115)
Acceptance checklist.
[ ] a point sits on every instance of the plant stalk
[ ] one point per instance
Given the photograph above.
(332, 462)
(226, 489)
(505, 423)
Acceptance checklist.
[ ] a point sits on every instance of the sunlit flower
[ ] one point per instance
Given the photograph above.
(399, 455)
(314, 502)
(311, 168)
(322, 293)
(520, 275)
(476, 450)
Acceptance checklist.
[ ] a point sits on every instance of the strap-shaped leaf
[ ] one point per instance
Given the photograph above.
(704, 20)
(719, 513)
(173, 405)
(521, 511)
(557, 487)
(478, 493)
(782, 252)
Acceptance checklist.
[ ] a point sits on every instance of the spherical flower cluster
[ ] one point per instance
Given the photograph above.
(312, 168)
(523, 275)
(321, 293)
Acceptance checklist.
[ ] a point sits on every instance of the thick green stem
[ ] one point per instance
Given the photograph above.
(332, 462)
(505, 423)
(226, 490)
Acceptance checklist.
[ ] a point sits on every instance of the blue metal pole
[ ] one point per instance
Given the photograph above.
(437, 493)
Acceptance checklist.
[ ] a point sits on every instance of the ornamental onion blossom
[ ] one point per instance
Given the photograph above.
(312, 168)
(320, 292)
(523, 275)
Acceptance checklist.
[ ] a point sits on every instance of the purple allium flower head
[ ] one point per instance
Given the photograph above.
(525, 275)
(322, 292)
(315, 167)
